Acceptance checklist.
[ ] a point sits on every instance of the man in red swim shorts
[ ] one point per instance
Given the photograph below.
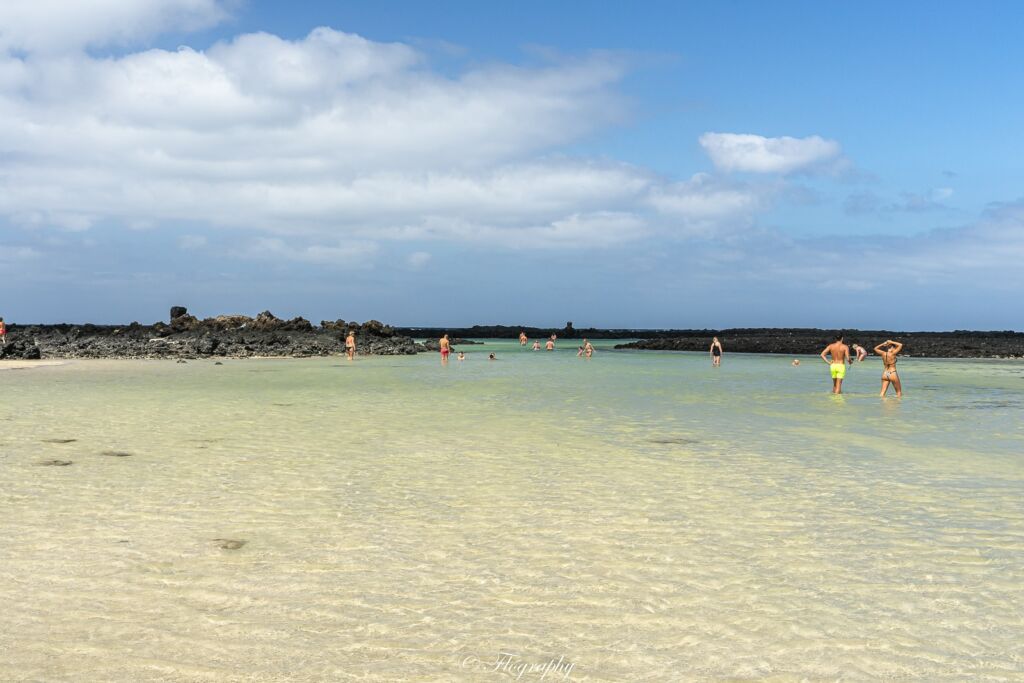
(446, 348)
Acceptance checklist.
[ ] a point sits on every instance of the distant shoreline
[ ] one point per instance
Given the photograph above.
(267, 336)
(797, 341)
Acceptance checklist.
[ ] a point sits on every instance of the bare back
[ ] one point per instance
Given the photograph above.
(839, 352)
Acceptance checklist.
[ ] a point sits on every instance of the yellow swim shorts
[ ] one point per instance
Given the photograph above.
(838, 370)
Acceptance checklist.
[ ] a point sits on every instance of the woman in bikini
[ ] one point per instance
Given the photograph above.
(888, 350)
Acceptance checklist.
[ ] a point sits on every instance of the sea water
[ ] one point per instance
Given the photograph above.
(638, 516)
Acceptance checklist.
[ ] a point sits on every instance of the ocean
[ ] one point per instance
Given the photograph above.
(637, 516)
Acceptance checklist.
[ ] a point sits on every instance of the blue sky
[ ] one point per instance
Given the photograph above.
(652, 165)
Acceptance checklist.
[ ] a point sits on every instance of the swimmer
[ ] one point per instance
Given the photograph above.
(550, 346)
(462, 356)
(446, 348)
(579, 353)
(716, 352)
(888, 350)
(588, 348)
(491, 357)
(522, 338)
(536, 345)
(839, 353)
(796, 362)
(350, 345)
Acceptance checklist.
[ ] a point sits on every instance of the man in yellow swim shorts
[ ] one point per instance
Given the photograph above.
(839, 354)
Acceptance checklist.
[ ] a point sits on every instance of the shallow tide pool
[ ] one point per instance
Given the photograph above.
(638, 516)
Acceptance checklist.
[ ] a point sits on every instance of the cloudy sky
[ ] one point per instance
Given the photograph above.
(666, 164)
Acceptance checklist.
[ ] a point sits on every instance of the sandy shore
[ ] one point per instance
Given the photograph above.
(26, 364)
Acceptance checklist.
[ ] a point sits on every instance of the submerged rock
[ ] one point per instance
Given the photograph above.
(54, 463)
(117, 454)
(229, 543)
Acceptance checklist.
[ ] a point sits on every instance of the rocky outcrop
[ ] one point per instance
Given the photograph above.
(185, 336)
(19, 349)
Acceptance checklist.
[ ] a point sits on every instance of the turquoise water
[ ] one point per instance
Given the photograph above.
(638, 516)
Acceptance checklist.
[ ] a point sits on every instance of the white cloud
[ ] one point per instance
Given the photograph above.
(330, 137)
(10, 253)
(331, 140)
(703, 204)
(192, 241)
(353, 253)
(418, 259)
(68, 25)
(758, 154)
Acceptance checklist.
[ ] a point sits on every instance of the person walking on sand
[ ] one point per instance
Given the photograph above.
(840, 354)
(716, 352)
(350, 345)
(888, 350)
(446, 348)
(523, 338)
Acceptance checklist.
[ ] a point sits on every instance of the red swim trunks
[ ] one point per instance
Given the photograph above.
(445, 352)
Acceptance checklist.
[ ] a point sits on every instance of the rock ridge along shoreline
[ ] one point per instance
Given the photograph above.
(185, 336)
(265, 335)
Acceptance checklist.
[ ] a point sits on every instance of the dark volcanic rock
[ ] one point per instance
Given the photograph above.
(20, 349)
(235, 336)
(178, 311)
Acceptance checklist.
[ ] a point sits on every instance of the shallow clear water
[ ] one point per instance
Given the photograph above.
(640, 516)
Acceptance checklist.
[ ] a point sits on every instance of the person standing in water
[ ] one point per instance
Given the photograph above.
(536, 345)
(522, 338)
(716, 352)
(840, 354)
(861, 352)
(446, 348)
(550, 345)
(588, 348)
(3, 332)
(888, 350)
(350, 345)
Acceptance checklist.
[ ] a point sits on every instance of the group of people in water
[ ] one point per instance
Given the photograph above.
(837, 355)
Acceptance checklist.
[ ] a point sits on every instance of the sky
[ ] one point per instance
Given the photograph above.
(646, 165)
